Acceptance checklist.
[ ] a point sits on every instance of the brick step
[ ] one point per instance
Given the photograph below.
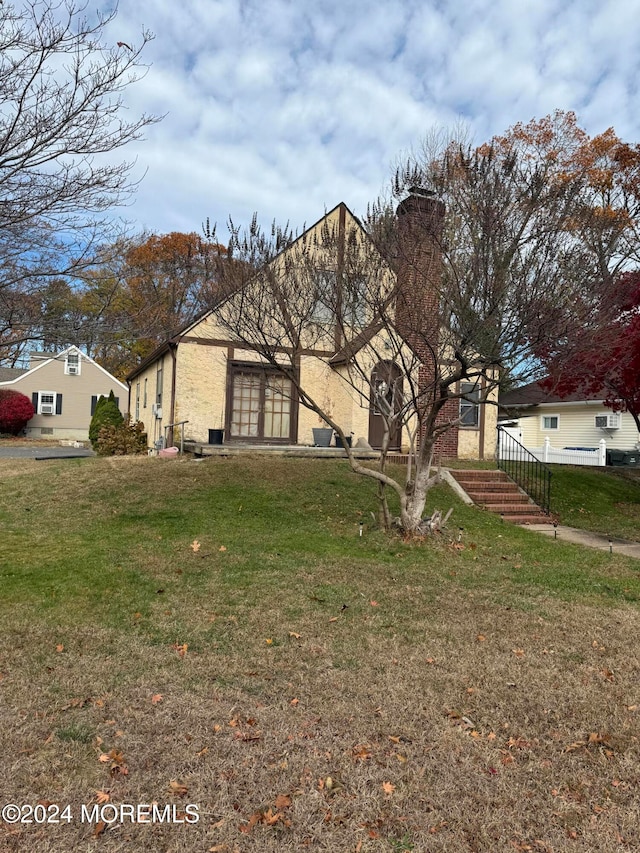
(480, 486)
(513, 509)
(541, 518)
(480, 475)
(497, 493)
(514, 496)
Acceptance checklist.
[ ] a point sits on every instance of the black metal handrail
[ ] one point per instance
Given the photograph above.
(532, 475)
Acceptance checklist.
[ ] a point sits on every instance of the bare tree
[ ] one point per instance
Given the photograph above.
(426, 309)
(61, 115)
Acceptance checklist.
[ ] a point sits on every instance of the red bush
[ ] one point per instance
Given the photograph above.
(15, 411)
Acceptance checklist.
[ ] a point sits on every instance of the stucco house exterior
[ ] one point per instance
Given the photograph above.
(63, 388)
(203, 376)
(574, 420)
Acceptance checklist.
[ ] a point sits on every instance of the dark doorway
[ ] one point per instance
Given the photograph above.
(386, 381)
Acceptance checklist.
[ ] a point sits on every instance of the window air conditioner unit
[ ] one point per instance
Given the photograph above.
(46, 409)
(72, 369)
(156, 410)
(610, 421)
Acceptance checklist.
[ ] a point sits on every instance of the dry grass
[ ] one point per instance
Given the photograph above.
(455, 704)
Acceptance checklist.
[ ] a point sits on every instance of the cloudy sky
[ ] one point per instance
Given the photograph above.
(286, 107)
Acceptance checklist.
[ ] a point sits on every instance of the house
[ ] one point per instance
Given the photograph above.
(571, 421)
(63, 388)
(211, 381)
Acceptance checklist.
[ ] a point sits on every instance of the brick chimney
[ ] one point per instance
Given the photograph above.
(420, 220)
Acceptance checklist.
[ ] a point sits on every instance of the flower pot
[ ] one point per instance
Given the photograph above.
(216, 436)
(322, 436)
(338, 441)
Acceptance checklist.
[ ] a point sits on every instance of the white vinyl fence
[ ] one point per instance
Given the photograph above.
(562, 456)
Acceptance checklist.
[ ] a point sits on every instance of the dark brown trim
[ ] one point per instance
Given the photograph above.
(342, 225)
(230, 345)
(264, 368)
(173, 350)
(483, 414)
(295, 402)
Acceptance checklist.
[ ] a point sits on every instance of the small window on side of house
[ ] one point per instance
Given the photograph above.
(72, 364)
(550, 422)
(469, 405)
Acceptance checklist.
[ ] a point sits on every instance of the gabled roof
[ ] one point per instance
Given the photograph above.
(58, 356)
(534, 394)
(8, 374)
(340, 357)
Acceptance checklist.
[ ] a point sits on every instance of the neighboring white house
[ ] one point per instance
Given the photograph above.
(63, 389)
(573, 421)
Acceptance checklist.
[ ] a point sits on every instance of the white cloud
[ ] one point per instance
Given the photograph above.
(288, 108)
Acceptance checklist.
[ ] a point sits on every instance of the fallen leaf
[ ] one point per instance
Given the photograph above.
(222, 548)
(481, 638)
(100, 828)
(518, 652)
(177, 789)
(283, 801)
(60, 647)
(373, 603)
(294, 635)
(195, 546)
(361, 752)
(269, 642)
(333, 619)
(157, 697)
(102, 797)
(388, 787)
(181, 648)
(294, 702)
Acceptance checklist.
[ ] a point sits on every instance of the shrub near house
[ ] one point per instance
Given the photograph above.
(106, 413)
(16, 411)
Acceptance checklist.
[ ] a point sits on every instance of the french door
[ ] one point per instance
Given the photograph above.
(260, 406)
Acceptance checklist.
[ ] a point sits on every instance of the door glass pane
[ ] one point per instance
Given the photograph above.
(246, 405)
(277, 407)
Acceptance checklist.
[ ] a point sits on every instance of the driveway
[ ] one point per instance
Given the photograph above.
(9, 452)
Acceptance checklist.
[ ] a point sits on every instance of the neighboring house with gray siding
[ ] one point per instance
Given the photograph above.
(63, 388)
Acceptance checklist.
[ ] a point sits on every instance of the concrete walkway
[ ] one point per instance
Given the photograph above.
(40, 453)
(591, 540)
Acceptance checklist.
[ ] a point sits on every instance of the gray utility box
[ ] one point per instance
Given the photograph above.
(623, 457)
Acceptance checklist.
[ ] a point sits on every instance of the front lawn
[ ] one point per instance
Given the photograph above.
(604, 500)
(217, 634)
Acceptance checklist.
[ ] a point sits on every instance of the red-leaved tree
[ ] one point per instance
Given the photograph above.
(15, 411)
(603, 356)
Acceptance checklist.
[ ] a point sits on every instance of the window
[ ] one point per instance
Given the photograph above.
(137, 401)
(260, 405)
(47, 403)
(323, 310)
(72, 364)
(144, 398)
(469, 404)
(354, 296)
(159, 384)
(550, 422)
